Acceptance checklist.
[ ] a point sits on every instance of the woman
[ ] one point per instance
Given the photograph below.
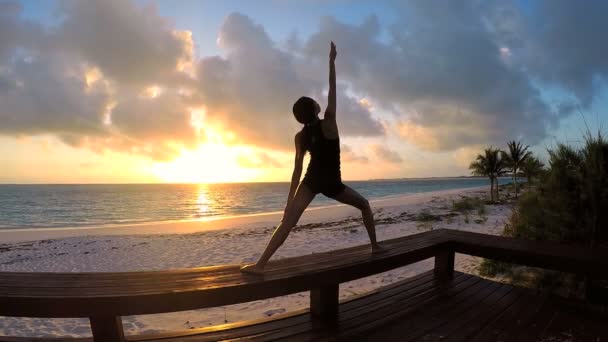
(320, 138)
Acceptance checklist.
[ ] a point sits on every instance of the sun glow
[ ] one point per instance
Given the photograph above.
(210, 163)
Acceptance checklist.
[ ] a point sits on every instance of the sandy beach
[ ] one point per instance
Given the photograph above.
(233, 240)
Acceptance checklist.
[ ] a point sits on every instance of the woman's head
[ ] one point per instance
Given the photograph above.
(305, 110)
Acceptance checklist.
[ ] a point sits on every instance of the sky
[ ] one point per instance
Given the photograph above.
(143, 91)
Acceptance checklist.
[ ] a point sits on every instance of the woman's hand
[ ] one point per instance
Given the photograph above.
(332, 52)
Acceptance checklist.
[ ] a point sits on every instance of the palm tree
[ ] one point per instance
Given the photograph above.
(532, 167)
(491, 165)
(516, 156)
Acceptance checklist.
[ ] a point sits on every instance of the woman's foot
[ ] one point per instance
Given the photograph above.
(252, 269)
(377, 249)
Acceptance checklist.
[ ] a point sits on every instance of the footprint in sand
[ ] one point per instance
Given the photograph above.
(274, 312)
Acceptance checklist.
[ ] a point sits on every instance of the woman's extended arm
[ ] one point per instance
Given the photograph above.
(297, 169)
(330, 113)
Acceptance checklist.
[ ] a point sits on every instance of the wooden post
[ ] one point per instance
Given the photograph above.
(107, 329)
(444, 264)
(324, 303)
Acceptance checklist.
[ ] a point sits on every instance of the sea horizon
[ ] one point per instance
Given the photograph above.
(250, 182)
(38, 206)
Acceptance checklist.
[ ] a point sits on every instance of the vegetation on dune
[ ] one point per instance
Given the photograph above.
(468, 204)
(568, 204)
(571, 202)
(532, 168)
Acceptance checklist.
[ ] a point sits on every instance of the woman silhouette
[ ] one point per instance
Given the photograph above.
(320, 138)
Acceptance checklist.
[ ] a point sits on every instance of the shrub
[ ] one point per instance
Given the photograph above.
(571, 202)
(491, 268)
(425, 216)
(468, 204)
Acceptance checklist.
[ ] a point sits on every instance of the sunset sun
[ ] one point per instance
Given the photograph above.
(209, 163)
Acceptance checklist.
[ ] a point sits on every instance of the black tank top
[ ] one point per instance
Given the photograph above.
(324, 165)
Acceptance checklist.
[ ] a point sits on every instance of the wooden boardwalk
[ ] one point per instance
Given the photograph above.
(467, 308)
(438, 305)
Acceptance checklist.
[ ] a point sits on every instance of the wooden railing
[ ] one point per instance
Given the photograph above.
(105, 297)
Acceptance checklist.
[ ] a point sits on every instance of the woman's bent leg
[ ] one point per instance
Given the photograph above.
(300, 201)
(351, 197)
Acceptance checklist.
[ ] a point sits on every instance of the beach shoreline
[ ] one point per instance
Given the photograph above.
(201, 224)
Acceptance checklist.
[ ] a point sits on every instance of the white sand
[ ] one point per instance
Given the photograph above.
(228, 241)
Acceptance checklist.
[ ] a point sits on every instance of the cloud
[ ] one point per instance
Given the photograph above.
(47, 84)
(385, 154)
(38, 98)
(130, 44)
(441, 67)
(567, 45)
(448, 76)
(260, 160)
(252, 90)
(347, 155)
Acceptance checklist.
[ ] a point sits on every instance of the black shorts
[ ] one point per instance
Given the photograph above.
(330, 189)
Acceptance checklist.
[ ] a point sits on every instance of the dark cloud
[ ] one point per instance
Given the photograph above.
(15, 31)
(454, 74)
(44, 85)
(127, 42)
(253, 89)
(441, 66)
(40, 98)
(568, 45)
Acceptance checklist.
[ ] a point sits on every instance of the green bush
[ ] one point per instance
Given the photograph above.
(425, 216)
(571, 202)
(491, 268)
(468, 204)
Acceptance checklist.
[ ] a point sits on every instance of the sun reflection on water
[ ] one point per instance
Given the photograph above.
(202, 201)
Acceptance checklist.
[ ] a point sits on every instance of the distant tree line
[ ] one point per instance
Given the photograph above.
(517, 160)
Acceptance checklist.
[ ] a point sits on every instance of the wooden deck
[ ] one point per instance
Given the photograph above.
(439, 304)
(470, 308)
(421, 308)
(467, 308)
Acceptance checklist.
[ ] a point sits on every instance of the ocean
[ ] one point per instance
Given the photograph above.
(86, 205)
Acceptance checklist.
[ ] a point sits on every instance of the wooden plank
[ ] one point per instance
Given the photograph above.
(574, 324)
(450, 307)
(506, 319)
(444, 264)
(107, 329)
(524, 319)
(113, 294)
(232, 330)
(466, 320)
(485, 317)
(546, 254)
(537, 323)
(305, 330)
(324, 303)
(360, 306)
(44, 339)
(400, 310)
(195, 297)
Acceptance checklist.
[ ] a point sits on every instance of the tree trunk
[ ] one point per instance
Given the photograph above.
(515, 180)
(497, 194)
(491, 189)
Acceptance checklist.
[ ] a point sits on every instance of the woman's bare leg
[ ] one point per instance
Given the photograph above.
(351, 197)
(300, 201)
